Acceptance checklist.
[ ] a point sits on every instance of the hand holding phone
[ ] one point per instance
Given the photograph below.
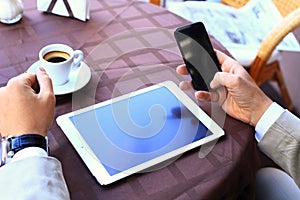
(198, 54)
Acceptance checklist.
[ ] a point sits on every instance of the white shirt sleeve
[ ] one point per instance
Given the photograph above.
(28, 152)
(269, 117)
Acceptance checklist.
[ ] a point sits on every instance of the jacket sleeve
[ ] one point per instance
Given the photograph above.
(282, 144)
(33, 178)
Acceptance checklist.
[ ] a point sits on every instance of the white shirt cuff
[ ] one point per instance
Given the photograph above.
(267, 120)
(29, 152)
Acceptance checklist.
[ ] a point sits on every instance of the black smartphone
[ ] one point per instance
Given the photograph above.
(198, 54)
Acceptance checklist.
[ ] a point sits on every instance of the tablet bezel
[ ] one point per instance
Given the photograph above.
(95, 166)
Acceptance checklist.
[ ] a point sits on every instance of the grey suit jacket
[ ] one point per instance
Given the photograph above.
(282, 144)
(33, 178)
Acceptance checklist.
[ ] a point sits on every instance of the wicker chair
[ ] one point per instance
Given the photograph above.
(260, 69)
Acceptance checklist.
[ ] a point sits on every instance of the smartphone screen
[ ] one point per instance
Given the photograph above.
(198, 54)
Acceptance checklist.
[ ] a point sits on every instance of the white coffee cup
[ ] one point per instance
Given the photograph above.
(59, 60)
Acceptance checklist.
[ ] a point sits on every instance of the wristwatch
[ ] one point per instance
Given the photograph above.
(11, 145)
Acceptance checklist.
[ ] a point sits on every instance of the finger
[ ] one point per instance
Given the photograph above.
(209, 96)
(221, 95)
(34, 83)
(203, 95)
(44, 81)
(223, 79)
(25, 79)
(29, 79)
(228, 64)
(221, 56)
(186, 85)
(181, 69)
(214, 96)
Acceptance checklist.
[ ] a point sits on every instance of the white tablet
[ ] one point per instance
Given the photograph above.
(136, 131)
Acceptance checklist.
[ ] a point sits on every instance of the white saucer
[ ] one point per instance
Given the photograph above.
(77, 79)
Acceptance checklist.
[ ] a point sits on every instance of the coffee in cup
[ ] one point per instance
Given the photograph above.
(56, 56)
(59, 60)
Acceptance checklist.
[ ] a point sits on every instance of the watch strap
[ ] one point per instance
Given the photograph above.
(28, 140)
(11, 145)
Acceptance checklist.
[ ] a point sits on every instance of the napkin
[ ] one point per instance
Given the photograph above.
(78, 9)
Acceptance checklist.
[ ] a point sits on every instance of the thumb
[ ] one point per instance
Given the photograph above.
(223, 79)
(45, 81)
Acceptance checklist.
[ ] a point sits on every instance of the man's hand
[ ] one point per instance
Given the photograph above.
(27, 105)
(235, 91)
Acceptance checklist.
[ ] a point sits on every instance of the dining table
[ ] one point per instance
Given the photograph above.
(129, 45)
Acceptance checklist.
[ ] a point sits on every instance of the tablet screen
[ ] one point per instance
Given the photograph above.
(137, 130)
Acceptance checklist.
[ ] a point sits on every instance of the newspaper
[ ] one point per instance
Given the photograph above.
(236, 28)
